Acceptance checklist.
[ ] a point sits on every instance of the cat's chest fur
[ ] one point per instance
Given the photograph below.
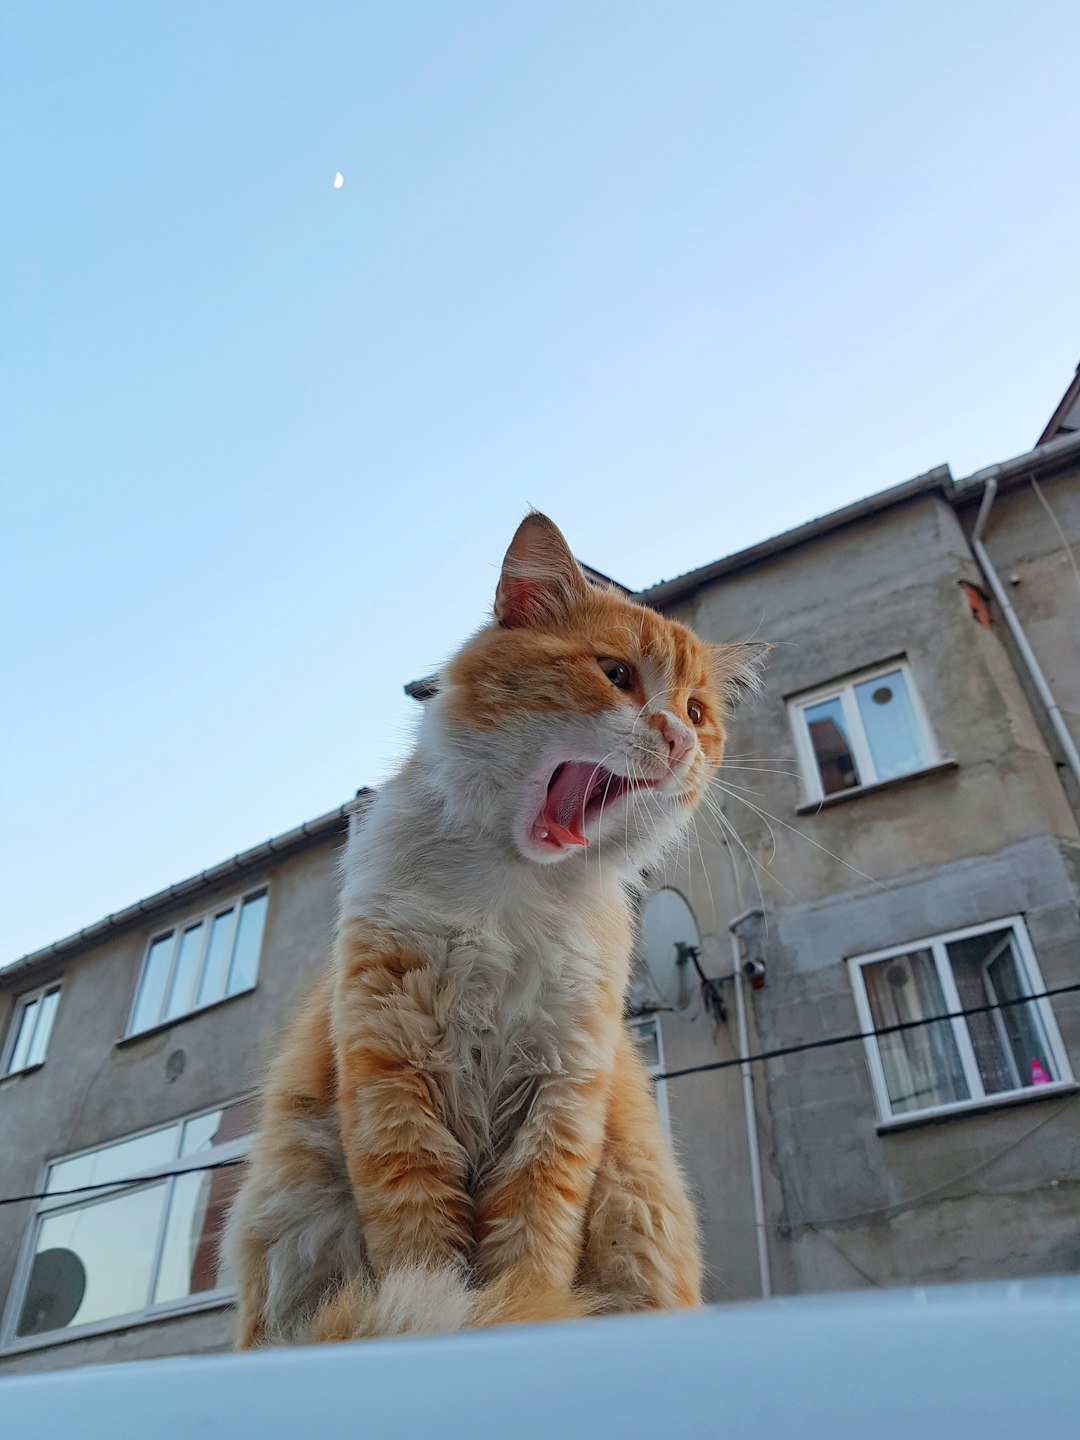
(516, 1013)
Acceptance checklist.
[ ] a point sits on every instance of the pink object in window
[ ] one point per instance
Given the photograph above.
(1038, 1074)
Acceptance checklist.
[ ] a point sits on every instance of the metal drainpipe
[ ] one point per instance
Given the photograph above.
(1046, 695)
(750, 1112)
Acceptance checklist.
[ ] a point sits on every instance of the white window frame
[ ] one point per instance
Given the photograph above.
(979, 1098)
(641, 1023)
(139, 1180)
(177, 930)
(22, 1004)
(844, 691)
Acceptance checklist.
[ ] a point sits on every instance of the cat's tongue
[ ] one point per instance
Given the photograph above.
(564, 809)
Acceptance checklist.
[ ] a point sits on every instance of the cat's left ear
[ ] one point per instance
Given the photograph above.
(540, 580)
(737, 668)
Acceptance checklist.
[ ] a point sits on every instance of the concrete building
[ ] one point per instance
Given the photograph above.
(895, 838)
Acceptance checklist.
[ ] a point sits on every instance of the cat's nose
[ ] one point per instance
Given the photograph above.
(680, 739)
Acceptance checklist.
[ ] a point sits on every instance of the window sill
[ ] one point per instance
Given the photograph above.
(858, 791)
(215, 1300)
(18, 1074)
(978, 1107)
(187, 1015)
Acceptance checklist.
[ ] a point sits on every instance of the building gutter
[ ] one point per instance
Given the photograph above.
(246, 860)
(749, 1109)
(1027, 654)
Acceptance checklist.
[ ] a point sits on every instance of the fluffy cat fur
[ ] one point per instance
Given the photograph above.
(457, 1130)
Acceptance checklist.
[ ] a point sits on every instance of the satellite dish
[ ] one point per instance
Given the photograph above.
(669, 932)
(54, 1294)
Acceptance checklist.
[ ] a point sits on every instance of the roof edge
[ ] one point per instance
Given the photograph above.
(665, 591)
(287, 843)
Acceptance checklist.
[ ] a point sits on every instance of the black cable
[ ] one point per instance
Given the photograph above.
(864, 1034)
(761, 1055)
(124, 1182)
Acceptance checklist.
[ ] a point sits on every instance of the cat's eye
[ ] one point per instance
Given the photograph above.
(694, 710)
(617, 671)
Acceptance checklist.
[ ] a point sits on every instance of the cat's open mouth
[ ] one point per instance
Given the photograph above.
(577, 792)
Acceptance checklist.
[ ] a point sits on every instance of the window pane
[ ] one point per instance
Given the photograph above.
(217, 1127)
(25, 1018)
(46, 1011)
(152, 989)
(647, 1043)
(922, 1066)
(115, 1162)
(832, 748)
(245, 960)
(212, 984)
(1010, 1045)
(93, 1262)
(200, 1206)
(889, 722)
(185, 973)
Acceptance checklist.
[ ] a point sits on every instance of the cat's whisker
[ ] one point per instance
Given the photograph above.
(767, 816)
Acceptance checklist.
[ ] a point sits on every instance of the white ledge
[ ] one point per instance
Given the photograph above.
(996, 1361)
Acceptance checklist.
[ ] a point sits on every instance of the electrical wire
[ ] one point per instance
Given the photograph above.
(852, 1035)
(760, 1056)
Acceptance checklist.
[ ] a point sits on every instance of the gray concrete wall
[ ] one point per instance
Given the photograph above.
(93, 1089)
(971, 1196)
(1037, 571)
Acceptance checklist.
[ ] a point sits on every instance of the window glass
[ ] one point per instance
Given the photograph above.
(197, 1213)
(889, 721)
(152, 988)
(647, 1042)
(25, 1019)
(92, 1262)
(115, 1162)
(245, 959)
(185, 972)
(1011, 1047)
(922, 1066)
(46, 1010)
(212, 984)
(832, 746)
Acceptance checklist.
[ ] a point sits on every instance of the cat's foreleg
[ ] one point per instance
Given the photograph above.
(531, 1209)
(408, 1171)
(641, 1249)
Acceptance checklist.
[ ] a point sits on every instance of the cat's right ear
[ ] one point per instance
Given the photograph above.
(540, 580)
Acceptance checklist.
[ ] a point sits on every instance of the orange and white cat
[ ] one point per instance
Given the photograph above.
(457, 1130)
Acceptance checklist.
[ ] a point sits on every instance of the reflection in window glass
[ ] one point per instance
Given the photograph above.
(832, 746)
(889, 721)
(152, 987)
(245, 960)
(25, 1020)
(115, 1162)
(46, 1009)
(93, 1262)
(215, 956)
(185, 973)
(124, 1253)
(647, 1042)
(1011, 1047)
(212, 984)
(922, 1066)
(197, 1213)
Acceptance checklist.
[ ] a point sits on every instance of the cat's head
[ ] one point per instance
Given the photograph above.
(579, 718)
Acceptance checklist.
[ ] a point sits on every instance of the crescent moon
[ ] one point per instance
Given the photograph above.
(339, 180)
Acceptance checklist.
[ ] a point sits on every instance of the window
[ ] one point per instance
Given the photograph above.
(649, 1041)
(31, 1025)
(861, 732)
(199, 962)
(140, 1246)
(961, 1062)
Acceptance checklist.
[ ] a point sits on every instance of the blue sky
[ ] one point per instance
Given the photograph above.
(682, 274)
